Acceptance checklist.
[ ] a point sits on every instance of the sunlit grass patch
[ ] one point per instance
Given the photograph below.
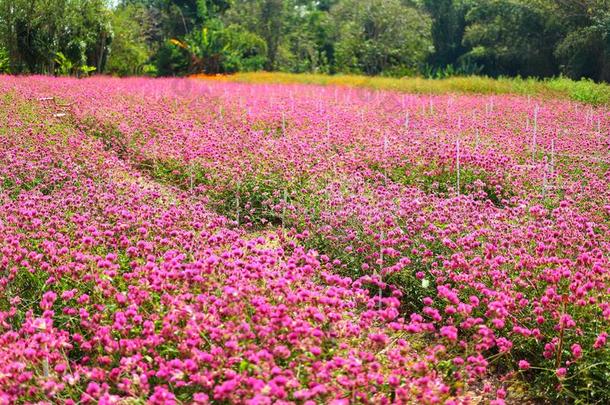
(584, 90)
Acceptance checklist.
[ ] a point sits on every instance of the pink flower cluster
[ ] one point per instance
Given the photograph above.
(357, 227)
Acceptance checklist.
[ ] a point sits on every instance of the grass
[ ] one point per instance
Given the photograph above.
(585, 91)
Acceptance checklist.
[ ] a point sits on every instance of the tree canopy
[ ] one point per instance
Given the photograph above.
(536, 38)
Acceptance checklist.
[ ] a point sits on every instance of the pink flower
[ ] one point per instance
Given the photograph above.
(93, 389)
(576, 351)
(600, 341)
(201, 398)
(449, 332)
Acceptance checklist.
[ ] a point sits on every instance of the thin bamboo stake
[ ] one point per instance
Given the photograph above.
(535, 129)
(553, 158)
(191, 170)
(385, 177)
(237, 203)
(285, 198)
(544, 177)
(458, 165)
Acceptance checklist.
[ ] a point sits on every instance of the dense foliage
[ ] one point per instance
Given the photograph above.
(436, 38)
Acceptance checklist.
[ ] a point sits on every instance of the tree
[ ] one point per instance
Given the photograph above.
(448, 26)
(308, 43)
(272, 14)
(584, 50)
(130, 51)
(33, 32)
(511, 37)
(540, 37)
(219, 49)
(380, 36)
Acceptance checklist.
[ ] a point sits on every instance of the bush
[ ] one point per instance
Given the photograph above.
(4, 61)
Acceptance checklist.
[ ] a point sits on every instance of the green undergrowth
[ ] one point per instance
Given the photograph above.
(442, 179)
(257, 199)
(111, 137)
(172, 171)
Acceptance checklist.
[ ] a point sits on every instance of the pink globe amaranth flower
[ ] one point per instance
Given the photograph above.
(524, 364)
(576, 351)
(93, 389)
(561, 372)
(449, 332)
(600, 341)
(458, 361)
(60, 368)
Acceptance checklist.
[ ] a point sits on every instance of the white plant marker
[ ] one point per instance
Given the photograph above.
(285, 198)
(544, 177)
(553, 158)
(385, 145)
(599, 126)
(457, 147)
(45, 363)
(407, 120)
(191, 169)
(237, 203)
(535, 128)
(328, 144)
(385, 176)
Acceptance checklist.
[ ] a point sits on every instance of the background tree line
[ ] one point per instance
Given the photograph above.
(435, 38)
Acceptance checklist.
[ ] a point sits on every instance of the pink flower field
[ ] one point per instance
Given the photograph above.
(174, 241)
